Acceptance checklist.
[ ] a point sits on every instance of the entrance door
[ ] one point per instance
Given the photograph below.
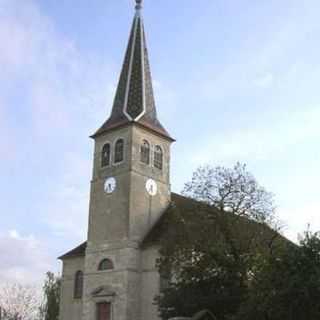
(104, 311)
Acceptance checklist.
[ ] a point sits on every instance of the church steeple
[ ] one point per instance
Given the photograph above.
(131, 154)
(134, 99)
(129, 193)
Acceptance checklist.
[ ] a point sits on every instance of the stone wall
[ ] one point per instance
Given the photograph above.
(70, 308)
(150, 283)
(123, 282)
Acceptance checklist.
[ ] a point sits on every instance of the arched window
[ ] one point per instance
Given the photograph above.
(105, 264)
(145, 152)
(78, 285)
(158, 157)
(119, 151)
(105, 155)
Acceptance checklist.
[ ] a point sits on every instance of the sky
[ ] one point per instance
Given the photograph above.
(234, 80)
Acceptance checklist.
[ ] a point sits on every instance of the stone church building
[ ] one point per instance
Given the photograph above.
(113, 275)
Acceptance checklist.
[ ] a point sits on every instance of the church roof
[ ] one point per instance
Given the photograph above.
(153, 234)
(177, 200)
(183, 204)
(76, 252)
(134, 100)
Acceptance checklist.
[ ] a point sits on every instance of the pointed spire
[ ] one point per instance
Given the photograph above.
(134, 99)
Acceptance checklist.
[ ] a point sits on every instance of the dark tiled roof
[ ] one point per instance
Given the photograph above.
(134, 92)
(76, 252)
(159, 227)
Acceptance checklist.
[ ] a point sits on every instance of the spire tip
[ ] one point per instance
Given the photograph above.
(138, 4)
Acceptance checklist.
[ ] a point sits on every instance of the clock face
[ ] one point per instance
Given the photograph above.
(110, 185)
(151, 187)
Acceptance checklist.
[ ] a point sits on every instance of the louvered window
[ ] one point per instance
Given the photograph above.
(145, 152)
(119, 151)
(105, 155)
(158, 158)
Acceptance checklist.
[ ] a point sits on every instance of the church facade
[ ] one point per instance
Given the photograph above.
(113, 275)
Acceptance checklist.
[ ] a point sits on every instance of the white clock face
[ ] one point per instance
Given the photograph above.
(110, 185)
(151, 187)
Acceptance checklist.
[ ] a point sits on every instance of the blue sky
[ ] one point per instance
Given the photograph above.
(235, 80)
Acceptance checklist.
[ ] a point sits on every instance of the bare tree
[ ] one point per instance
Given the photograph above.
(237, 191)
(19, 302)
(232, 190)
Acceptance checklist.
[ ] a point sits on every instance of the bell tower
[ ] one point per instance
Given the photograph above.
(130, 187)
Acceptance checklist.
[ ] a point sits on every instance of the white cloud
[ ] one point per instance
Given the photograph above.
(299, 218)
(13, 234)
(23, 258)
(264, 81)
(262, 141)
(67, 210)
(266, 59)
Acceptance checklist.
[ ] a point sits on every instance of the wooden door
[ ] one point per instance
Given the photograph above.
(103, 311)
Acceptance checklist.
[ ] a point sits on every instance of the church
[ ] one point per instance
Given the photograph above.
(113, 275)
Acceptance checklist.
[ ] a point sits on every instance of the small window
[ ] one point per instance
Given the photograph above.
(78, 285)
(105, 155)
(119, 151)
(158, 157)
(145, 152)
(105, 264)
